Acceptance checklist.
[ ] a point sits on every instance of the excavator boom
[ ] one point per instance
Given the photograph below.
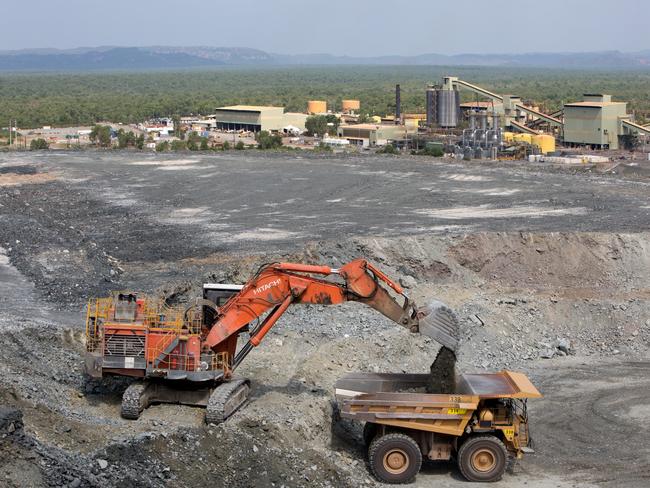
(277, 286)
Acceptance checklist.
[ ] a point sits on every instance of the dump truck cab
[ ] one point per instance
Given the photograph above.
(482, 424)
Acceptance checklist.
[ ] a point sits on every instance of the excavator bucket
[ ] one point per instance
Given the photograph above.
(438, 321)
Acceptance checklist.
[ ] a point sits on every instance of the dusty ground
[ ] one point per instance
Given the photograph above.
(531, 258)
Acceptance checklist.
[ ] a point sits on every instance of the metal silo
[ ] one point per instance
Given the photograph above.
(448, 107)
(431, 104)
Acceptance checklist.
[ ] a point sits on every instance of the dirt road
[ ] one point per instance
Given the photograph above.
(527, 257)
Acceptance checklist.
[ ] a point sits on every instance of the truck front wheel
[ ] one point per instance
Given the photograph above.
(394, 458)
(482, 458)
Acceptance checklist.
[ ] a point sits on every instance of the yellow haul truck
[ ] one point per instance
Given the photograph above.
(481, 425)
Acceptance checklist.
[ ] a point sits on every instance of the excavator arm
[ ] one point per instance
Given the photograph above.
(277, 286)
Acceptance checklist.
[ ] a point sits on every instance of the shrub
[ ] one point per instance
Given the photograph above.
(266, 140)
(38, 144)
(178, 145)
(388, 149)
(162, 146)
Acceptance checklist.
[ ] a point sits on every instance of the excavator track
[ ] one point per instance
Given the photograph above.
(133, 400)
(226, 399)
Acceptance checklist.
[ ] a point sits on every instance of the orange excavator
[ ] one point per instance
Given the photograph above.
(188, 354)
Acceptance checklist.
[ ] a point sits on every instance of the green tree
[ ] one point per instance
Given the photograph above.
(226, 146)
(204, 144)
(266, 140)
(139, 141)
(122, 140)
(101, 135)
(178, 145)
(176, 120)
(333, 123)
(162, 146)
(323, 148)
(240, 146)
(193, 141)
(39, 144)
(316, 125)
(435, 151)
(321, 124)
(125, 139)
(388, 149)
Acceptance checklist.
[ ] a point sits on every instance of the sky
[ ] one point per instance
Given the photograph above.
(340, 27)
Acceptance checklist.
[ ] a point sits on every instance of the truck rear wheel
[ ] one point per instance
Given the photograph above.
(394, 458)
(482, 458)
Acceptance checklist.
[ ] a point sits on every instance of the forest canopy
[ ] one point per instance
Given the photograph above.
(68, 99)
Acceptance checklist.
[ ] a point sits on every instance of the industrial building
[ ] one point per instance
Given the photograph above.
(595, 121)
(257, 118)
(372, 135)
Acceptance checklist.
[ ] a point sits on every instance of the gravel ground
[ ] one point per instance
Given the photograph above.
(547, 269)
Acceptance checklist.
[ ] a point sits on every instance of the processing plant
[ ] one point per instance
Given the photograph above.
(596, 122)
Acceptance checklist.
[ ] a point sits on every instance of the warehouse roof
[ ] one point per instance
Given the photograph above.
(373, 126)
(593, 104)
(362, 126)
(250, 108)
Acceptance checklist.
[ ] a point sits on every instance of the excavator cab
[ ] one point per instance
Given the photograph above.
(126, 307)
(217, 294)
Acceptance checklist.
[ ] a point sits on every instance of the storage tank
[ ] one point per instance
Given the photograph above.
(448, 107)
(316, 107)
(545, 142)
(411, 123)
(351, 105)
(527, 138)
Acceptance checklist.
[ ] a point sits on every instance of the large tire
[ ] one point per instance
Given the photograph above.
(482, 458)
(394, 458)
(369, 433)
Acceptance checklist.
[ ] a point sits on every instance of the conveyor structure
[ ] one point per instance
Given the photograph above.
(631, 126)
(451, 82)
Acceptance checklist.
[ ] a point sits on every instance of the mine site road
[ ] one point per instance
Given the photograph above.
(255, 201)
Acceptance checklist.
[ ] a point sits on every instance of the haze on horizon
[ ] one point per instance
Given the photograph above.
(351, 27)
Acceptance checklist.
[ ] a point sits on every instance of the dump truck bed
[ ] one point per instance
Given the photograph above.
(400, 399)
(505, 384)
